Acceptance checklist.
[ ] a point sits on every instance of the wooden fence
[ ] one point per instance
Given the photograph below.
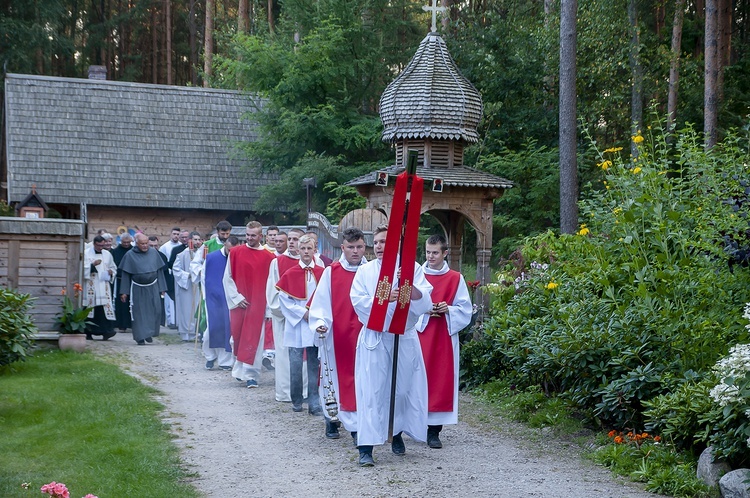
(41, 257)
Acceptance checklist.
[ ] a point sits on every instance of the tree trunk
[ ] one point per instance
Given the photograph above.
(193, 41)
(154, 46)
(208, 49)
(636, 74)
(271, 24)
(243, 17)
(674, 64)
(568, 160)
(700, 8)
(168, 39)
(711, 74)
(445, 20)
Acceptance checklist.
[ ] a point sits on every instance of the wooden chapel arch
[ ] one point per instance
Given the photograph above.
(451, 208)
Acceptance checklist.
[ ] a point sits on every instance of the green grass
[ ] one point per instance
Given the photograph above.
(75, 419)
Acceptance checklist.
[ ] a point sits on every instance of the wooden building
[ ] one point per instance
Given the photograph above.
(41, 257)
(127, 156)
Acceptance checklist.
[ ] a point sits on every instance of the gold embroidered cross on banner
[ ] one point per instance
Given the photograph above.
(404, 295)
(383, 290)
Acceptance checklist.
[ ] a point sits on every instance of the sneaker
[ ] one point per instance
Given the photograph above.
(397, 445)
(316, 410)
(210, 364)
(224, 367)
(268, 363)
(365, 457)
(252, 383)
(297, 408)
(141, 343)
(149, 340)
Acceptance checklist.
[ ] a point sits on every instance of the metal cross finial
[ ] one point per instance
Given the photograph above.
(434, 9)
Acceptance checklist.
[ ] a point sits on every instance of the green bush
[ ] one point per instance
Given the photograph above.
(644, 292)
(16, 327)
(729, 418)
(677, 415)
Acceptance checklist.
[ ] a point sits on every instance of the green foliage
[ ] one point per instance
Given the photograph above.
(643, 293)
(70, 417)
(480, 362)
(6, 210)
(663, 469)
(728, 419)
(73, 319)
(343, 200)
(677, 414)
(529, 406)
(321, 74)
(16, 327)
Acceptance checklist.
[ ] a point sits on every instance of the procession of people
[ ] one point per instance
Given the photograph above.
(278, 305)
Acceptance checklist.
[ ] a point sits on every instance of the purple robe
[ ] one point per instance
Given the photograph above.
(217, 310)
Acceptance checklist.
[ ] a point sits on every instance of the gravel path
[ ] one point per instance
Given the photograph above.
(240, 442)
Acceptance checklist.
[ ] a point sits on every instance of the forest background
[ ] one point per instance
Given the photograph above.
(322, 65)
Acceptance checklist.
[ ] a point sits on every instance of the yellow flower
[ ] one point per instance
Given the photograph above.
(637, 139)
(583, 230)
(613, 149)
(605, 165)
(618, 210)
(551, 286)
(636, 170)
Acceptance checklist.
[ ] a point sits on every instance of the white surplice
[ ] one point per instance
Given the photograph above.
(374, 359)
(186, 294)
(458, 317)
(321, 314)
(97, 291)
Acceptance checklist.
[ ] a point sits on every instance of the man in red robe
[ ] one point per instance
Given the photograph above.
(331, 310)
(245, 288)
(451, 312)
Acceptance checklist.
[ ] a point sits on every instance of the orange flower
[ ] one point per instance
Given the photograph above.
(657, 439)
(77, 287)
(63, 291)
(618, 440)
(612, 433)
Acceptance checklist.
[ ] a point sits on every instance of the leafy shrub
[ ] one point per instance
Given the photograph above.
(729, 418)
(677, 415)
(643, 292)
(16, 327)
(480, 362)
(647, 459)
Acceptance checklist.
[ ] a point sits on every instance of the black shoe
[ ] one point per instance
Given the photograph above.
(397, 445)
(149, 340)
(297, 408)
(365, 456)
(268, 364)
(332, 429)
(141, 343)
(172, 326)
(315, 410)
(89, 337)
(433, 436)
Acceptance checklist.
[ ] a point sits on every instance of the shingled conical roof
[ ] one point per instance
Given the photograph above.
(431, 98)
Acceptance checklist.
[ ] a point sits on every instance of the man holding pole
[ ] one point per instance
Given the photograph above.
(374, 372)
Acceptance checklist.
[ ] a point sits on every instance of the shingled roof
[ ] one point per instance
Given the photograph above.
(128, 144)
(460, 176)
(431, 98)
